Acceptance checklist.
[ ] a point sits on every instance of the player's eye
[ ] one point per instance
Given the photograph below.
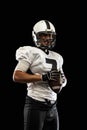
(46, 40)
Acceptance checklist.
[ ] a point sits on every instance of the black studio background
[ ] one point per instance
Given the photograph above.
(17, 23)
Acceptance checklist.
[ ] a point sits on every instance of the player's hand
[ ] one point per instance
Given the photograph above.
(51, 75)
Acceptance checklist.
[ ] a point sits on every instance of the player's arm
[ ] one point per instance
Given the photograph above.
(20, 74)
(24, 77)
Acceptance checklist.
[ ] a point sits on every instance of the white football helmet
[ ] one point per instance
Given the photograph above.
(46, 27)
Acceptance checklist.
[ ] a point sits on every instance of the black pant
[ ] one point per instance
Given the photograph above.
(40, 116)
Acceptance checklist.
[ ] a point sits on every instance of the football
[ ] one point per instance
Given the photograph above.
(55, 85)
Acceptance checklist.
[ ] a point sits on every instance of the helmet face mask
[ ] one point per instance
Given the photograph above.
(44, 35)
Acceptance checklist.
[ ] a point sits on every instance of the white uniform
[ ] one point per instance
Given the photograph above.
(38, 62)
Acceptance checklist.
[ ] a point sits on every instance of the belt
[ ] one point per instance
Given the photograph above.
(44, 101)
(50, 101)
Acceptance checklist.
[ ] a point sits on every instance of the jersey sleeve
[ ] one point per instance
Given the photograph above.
(61, 62)
(24, 54)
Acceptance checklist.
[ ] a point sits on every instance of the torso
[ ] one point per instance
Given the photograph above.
(40, 62)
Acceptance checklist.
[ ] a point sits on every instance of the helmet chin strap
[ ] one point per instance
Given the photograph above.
(46, 51)
(44, 48)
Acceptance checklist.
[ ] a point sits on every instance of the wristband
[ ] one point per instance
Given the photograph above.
(44, 77)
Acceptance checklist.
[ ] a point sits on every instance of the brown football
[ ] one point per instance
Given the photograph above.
(55, 85)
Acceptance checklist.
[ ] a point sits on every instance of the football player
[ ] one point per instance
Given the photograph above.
(37, 66)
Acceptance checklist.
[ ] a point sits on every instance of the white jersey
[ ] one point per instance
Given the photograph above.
(38, 62)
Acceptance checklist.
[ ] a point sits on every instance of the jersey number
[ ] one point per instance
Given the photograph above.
(53, 62)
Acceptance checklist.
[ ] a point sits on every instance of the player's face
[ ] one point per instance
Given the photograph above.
(45, 39)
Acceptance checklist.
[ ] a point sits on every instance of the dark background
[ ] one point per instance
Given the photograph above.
(16, 30)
